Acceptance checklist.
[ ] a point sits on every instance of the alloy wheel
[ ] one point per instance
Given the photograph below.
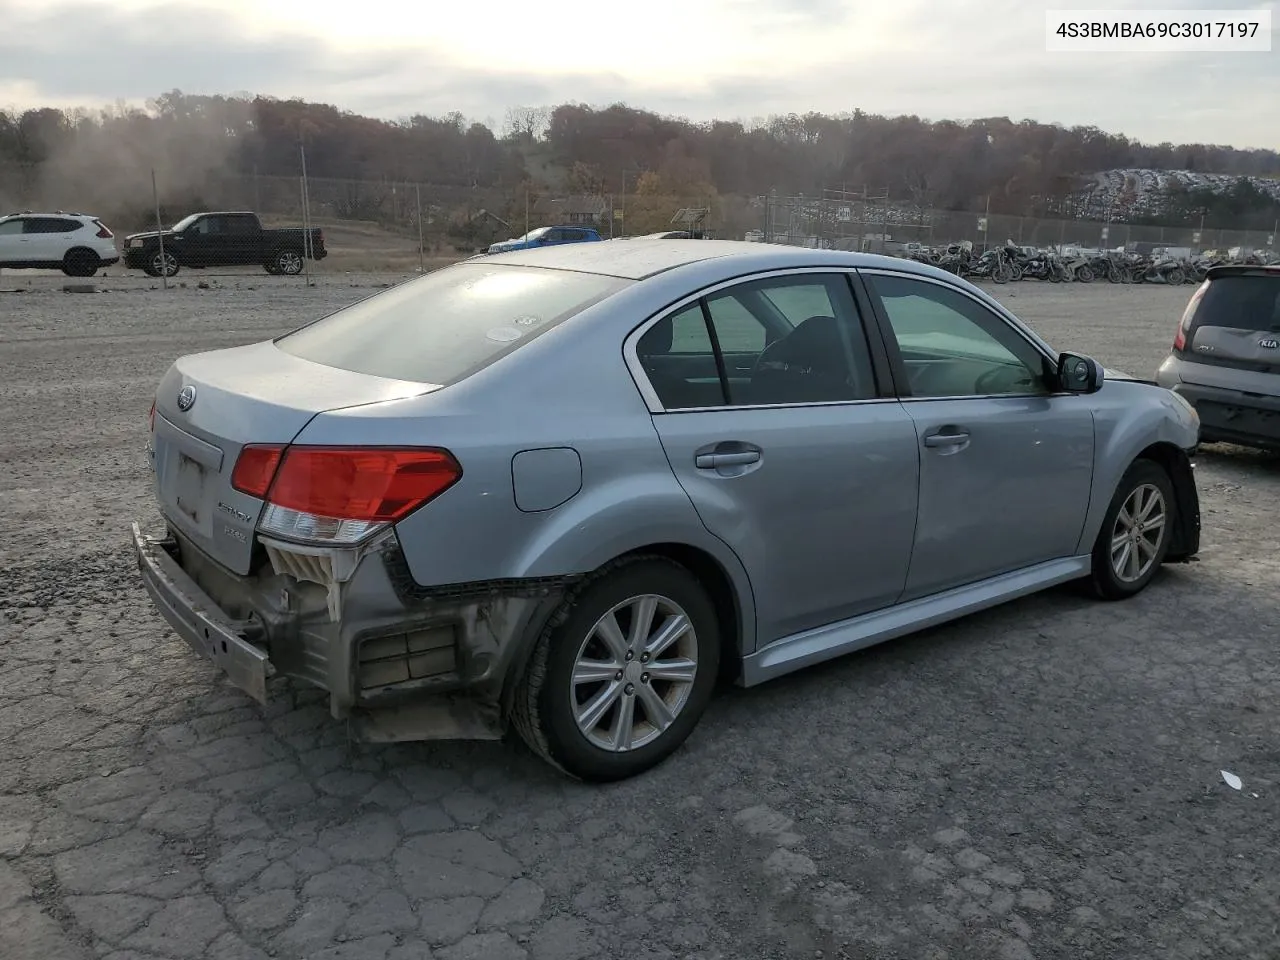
(634, 673)
(1138, 532)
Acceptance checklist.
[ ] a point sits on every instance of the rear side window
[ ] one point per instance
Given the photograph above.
(1242, 303)
(445, 326)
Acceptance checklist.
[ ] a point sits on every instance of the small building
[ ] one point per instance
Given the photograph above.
(580, 210)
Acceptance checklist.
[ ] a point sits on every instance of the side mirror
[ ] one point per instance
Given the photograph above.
(1077, 374)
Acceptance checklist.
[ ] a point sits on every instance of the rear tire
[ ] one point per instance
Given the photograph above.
(80, 263)
(553, 713)
(1130, 547)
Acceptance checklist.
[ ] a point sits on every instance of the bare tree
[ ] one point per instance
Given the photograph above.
(526, 123)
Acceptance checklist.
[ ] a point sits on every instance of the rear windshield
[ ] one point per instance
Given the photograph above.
(1241, 302)
(443, 327)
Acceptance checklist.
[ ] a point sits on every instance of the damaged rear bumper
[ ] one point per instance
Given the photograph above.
(199, 621)
(399, 661)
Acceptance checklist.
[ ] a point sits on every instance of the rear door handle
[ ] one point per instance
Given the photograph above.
(945, 439)
(710, 461)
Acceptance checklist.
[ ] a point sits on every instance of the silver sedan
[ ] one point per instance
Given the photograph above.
(567, 490)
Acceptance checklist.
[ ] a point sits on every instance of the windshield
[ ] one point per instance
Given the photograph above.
(533, 234)
(185, 222)
(445, 326)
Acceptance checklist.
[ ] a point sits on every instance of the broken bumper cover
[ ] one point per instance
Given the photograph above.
(399, 661)
(199, 621)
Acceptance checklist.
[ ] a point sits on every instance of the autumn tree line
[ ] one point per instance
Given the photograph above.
(102, 160)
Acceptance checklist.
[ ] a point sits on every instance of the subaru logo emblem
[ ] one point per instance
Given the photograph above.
(1269, 344)
(186, 398)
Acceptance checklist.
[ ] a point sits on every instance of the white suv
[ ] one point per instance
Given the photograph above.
(74, 243)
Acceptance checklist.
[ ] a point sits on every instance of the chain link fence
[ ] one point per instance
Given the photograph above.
(879, 224)
(405, 226)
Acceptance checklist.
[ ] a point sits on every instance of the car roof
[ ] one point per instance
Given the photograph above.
(1242, 270)
(638, 261)
(46, 213)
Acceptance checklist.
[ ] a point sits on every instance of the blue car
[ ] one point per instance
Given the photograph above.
(547, 237)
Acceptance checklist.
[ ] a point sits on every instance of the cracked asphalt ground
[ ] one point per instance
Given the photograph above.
(1041, 780)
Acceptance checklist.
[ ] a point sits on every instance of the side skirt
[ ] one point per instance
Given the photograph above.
(801, 650)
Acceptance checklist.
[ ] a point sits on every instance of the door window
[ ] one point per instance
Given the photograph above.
(953, 346)
(785, 340)
(50, 225)
(10, 228)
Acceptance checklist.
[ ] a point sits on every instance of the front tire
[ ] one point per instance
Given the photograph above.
(80, 263)
(289, 262)
(1135, 534)
(158, 265)
(622, 673)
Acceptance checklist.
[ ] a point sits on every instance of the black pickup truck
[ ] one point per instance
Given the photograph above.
(223, 239)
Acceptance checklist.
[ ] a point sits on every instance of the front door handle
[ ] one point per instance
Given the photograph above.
(712, 461)
(945, 439)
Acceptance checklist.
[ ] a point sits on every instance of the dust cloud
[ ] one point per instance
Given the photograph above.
(101, 162)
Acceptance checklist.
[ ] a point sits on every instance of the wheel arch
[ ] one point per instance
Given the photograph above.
(733, 611)
(1176, 462)
(1128, 426)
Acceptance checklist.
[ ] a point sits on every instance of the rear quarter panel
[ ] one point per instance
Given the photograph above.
(1129, 417)
(568, 387)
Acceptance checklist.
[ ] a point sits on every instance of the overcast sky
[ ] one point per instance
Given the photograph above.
(732, 59)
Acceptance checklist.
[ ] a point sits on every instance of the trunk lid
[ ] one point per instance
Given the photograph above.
(1236, 324)
(210, 405)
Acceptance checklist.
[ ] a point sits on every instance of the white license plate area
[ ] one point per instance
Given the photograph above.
(188, 488)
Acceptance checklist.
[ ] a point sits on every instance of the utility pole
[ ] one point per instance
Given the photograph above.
(164, 266)
(307, 250)
(422, 266)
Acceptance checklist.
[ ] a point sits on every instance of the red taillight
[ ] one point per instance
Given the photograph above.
(370, 484)
(373, 484)
(256, 468)
(103, 232)
(1180, 338)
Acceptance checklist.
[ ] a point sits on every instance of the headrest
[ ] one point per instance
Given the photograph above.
(658, 338)
(814, 338)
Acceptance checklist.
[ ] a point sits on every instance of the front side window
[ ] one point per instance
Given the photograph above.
(953, 346)
(10, 228)
(444, 326)
(739, 347)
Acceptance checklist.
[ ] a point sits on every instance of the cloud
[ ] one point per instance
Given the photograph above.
(727, 59)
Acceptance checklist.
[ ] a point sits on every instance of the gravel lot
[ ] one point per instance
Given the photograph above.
(1038, 781)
